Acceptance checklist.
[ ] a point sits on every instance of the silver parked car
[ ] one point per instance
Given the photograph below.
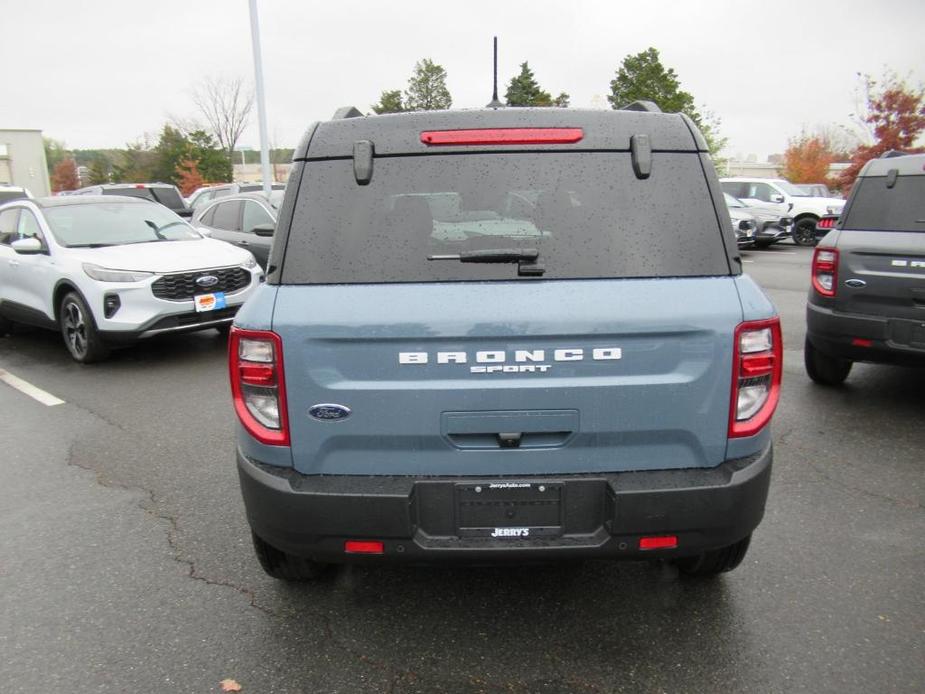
(770, 226)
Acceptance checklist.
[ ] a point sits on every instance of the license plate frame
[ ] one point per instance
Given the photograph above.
(210, 302)
(510, 510)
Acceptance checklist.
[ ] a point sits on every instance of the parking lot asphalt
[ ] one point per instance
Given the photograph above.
(126, 565)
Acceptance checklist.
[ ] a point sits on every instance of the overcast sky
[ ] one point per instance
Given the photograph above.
(100, 73)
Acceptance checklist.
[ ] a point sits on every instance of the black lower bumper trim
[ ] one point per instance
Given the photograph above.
(417, 518)
(892, 340)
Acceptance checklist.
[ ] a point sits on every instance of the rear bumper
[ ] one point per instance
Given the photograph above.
(416, 518)
(892, 340)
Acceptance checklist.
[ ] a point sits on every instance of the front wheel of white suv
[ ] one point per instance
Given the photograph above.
(78, 329)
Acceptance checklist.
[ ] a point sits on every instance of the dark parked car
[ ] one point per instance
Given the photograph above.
(164, 193)
(245, 220)
(825, 225)
(867, 301)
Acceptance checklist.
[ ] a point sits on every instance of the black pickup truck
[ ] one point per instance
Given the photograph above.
(867, 301)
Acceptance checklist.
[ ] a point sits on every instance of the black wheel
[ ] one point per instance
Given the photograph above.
(824, 369)
(804, 232)
(78, 329)
(284, 566)
(715, 561)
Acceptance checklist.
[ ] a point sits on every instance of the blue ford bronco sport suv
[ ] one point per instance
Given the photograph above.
(504, 335)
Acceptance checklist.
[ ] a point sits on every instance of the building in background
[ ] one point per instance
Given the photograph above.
(250, 173)
(22, 161)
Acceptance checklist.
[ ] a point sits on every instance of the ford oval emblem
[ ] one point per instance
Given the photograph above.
(207, 281)
(327, 412)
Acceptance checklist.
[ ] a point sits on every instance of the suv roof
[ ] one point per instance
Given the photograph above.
(401, 133)
(906, 165)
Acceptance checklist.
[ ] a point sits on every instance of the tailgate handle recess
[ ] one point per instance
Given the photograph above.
(511, 429)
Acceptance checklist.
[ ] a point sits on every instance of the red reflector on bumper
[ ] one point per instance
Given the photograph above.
(363, 547)
(503, 136)
(658, 542)
(860, 342)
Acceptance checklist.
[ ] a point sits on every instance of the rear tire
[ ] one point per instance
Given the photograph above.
(714, 561)
(824, 369)
(78, 329)
(804, 232)
(284, 566)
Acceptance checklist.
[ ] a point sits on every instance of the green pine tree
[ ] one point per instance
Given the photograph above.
(427, 88)
(642, 77)
(389, 102)
(524, 90)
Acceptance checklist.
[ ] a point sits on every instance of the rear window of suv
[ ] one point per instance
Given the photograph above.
(876, 207)
(586, 214)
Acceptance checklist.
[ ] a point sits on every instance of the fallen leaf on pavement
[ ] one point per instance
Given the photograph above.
(230, 685)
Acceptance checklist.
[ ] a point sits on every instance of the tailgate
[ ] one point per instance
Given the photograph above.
(509, 378)
(882, 273)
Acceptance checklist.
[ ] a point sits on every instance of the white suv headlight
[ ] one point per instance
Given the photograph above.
(250, 263)
(103, 274)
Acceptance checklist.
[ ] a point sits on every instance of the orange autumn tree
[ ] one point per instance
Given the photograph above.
(807, 160)
(189, 177)
(64, 176)
(896, 118)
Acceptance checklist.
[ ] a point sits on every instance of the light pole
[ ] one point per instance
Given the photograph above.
(261, 106)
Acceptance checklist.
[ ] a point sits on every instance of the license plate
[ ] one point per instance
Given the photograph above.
(509, 510)
(210, 302)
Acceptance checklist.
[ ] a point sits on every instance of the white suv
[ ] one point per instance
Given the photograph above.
(786, 199)
(108, 270)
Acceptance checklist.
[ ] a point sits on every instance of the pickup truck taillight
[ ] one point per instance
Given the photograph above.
(255, 362)
(825, 271)
(756, 375)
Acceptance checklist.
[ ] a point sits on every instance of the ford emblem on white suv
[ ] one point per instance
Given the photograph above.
(207, 281)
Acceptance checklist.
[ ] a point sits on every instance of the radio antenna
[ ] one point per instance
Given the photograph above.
(494, 95)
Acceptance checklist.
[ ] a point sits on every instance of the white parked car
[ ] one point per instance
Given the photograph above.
(8, 193)
(107, 270)
(786, 199)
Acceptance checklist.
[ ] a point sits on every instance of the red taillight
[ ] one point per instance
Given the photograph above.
(826, 223)
(364, 547)
(756, 375)
(825, 271)
(658, 542)
(255, 363)
(503, 136)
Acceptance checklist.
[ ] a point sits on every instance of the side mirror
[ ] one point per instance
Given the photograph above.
(264, 229)
(777, 197)
(28, 246)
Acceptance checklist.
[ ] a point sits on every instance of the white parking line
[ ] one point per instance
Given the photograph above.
(29, 389)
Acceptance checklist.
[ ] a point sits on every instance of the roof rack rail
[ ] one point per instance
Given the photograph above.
(890, 153)
(346, 112)
(649, 106)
